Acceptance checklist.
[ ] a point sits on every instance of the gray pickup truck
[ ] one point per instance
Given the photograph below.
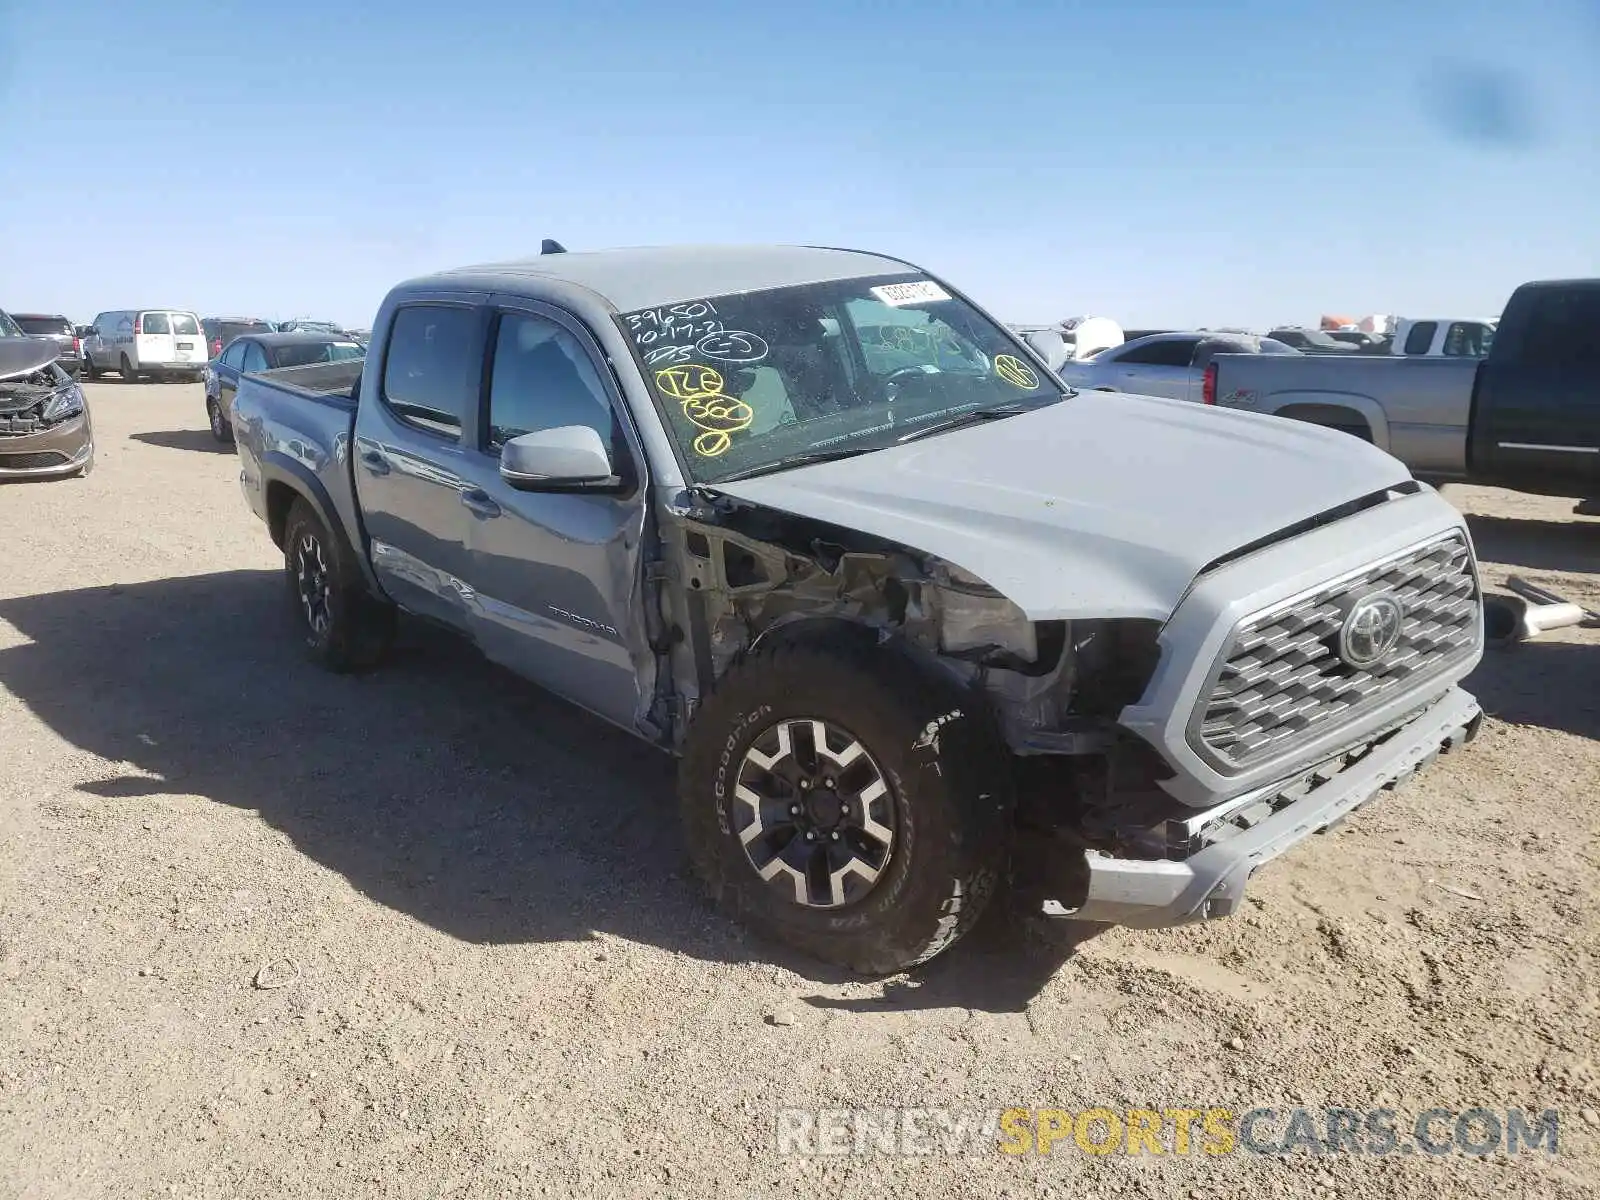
(917, 619)
(1527, 416)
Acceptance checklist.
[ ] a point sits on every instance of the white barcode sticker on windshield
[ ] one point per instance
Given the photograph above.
(920, 292)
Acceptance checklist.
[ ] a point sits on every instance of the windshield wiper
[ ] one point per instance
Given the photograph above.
(973, 416)
(804, 459)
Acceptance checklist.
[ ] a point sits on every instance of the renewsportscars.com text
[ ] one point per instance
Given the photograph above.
(1176, 1131)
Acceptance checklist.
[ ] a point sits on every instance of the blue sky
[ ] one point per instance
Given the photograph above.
(1171, 163)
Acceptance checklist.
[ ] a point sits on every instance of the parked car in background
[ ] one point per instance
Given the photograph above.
(915, 618)
(1364, 341)
(59, 330)
(1526, 416)
(146, 343)
(303, 326)
(1443, 338)
(45, 429)
(222, 330)
(1310, 341)
(253, 353)
(1163, 364)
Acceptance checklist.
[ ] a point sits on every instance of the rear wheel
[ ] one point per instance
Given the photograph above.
(345, 627)
(221, 429)
(843, 798)
(125, 369)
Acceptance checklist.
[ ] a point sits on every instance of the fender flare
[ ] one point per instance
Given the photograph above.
(279, 469)
(1365, 407)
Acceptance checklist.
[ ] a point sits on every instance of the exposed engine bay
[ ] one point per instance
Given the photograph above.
(25, 401)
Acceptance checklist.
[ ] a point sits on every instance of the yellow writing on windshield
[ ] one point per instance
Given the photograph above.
(1015, 372)
(698, 389)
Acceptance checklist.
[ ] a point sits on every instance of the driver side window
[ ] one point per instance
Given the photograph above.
(543, 378)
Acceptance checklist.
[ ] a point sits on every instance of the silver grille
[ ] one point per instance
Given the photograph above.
(1282, 681)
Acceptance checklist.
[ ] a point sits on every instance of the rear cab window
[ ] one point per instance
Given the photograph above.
(1563, 328)
(185, 325)
(154, 322)
(430, 367)
(1420, 339)
(314, 352)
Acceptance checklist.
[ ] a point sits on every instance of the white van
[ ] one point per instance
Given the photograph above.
(158, 343)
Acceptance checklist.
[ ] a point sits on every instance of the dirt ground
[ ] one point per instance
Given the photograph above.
(495, 977)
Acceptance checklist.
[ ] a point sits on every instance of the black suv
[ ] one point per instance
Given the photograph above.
(62, 330)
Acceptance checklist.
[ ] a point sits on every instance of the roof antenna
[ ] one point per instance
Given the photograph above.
(551, 246)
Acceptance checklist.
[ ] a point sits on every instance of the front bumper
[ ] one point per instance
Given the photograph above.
(1211, 883)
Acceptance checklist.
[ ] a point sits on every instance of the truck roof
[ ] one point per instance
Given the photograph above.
(645, 276)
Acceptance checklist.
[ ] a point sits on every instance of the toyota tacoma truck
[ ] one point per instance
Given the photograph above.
(1526, 416)
(918, 620)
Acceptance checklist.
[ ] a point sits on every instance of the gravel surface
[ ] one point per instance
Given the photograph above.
(268, 932)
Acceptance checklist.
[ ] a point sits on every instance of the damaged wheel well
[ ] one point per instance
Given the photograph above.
(750, 574)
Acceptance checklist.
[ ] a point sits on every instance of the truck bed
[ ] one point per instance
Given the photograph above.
(329, 380)
(1418, 409)
(294, 424)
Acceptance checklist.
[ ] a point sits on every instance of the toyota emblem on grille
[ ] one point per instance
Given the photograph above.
(1371, 629)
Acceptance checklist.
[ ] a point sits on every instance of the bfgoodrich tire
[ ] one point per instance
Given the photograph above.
(345, 628)
(847, 800)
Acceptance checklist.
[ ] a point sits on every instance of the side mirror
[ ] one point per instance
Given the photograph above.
(568, 458)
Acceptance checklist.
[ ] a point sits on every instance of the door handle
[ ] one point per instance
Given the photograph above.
(375, 462)
(479, 503)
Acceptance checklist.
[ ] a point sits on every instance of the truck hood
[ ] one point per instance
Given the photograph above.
(24, 356)
(1101, 506)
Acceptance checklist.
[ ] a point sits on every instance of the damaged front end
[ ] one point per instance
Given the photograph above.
(44, 426)
(1055, 688)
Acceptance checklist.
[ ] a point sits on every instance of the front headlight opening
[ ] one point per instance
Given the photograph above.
(66, 403)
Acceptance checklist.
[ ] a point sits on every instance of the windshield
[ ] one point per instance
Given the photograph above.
(314, 352)
(746, 381)
(9, 328)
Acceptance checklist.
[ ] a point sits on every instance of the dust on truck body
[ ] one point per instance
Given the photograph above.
(918, 620)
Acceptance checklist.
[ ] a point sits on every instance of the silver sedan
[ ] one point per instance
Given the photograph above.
(1164, 364)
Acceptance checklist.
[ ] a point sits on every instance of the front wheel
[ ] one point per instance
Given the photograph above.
(847, 800)
(345, 627)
